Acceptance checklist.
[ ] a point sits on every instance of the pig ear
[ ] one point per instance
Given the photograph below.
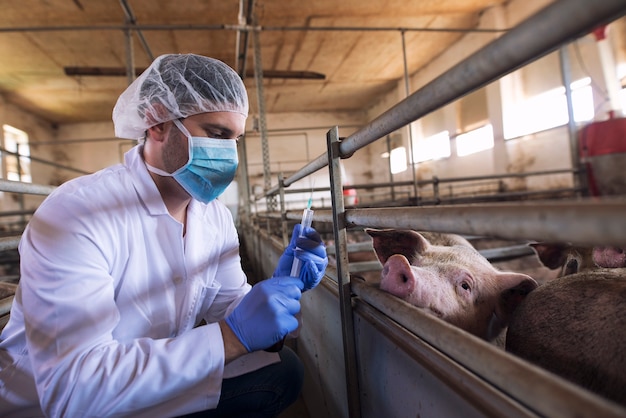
(514, 287)
(388, 242)
(552, 255)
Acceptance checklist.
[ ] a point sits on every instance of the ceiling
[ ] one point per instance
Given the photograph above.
(356, 45)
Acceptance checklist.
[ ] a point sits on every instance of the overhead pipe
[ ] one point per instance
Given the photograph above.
(243, 28)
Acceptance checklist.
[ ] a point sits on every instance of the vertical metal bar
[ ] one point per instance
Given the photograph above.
(18, 156)
(343, 275)
(130, 56)
(258, 78)
(244, 181)
(283, 215)
(407, 92)
(393, 190)
(571, 124)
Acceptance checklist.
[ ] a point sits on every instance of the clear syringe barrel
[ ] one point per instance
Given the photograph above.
(307, 220)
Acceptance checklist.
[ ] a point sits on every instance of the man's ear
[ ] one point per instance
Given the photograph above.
(159, 131)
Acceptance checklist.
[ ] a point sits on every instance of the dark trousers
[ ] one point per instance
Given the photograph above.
(263, 393)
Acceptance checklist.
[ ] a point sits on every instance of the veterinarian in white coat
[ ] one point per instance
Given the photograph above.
(132, 298)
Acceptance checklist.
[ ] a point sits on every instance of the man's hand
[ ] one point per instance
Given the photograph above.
(267, 313)
(310, 250)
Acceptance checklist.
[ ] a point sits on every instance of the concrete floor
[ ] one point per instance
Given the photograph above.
(297, 410)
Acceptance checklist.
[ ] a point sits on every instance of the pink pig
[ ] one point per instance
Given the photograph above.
(447, 276)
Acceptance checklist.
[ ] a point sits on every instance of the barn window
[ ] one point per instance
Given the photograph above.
(432, 148)
(474, 141)
(549, 109)
(16, 143)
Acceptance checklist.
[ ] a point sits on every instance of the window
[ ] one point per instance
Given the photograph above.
(549, 110)
(16, 141)
(432, 148)
(398, 160)
(473, 141)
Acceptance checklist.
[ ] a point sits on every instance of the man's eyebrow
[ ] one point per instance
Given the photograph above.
(225, 130)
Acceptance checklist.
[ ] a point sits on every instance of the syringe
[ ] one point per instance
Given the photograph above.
(307, 220)
(296, 265)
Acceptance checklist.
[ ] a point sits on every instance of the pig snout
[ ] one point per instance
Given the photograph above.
(609, 257)
(397, 277)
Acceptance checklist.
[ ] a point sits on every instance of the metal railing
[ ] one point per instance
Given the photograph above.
(588, 222)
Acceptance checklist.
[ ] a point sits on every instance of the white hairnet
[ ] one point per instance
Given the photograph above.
(177, 86)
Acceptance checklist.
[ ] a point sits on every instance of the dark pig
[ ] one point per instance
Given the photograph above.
(448, 277)
(571, 259)
(575, 327)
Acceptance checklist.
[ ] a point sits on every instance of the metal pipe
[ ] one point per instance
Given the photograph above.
(411, 153)
(243, 28)
(435, 180)
(547, 30)
(343, 275)
(585, 222)
(41, 160)
(130, 56)
(5, 305)
(9, 243)
(28, 188)
(571, 123)
(258, 78)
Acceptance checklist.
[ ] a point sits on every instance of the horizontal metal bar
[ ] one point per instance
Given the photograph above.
(363, 266)
(28, 188)
(5, 305)
(584, 222)
(506, 253)
(244, 28)
(9, 243)
(352, 247)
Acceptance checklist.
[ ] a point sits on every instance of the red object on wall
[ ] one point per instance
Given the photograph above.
(598, 142)
(600, 33)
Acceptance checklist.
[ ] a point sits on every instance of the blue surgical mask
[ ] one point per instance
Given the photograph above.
(210, 169)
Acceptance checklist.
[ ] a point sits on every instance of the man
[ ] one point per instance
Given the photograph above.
(132, 300)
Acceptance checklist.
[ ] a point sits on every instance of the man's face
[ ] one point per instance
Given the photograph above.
(220, 125)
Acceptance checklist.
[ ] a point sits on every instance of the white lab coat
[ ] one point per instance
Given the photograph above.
(104, 322)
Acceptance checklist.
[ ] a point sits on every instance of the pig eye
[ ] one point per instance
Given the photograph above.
(466, 286)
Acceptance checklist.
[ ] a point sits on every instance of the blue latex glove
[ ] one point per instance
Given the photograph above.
(310, 250)
(267, 313)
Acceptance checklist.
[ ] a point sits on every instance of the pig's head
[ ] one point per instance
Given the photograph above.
(446, 276)
(568, 258)
(571, 259)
